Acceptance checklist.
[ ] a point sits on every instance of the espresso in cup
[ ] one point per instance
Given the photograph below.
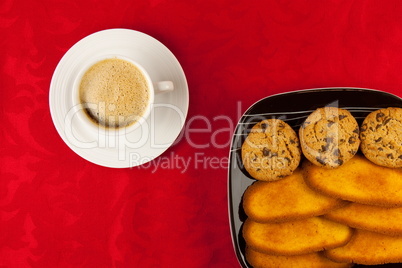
(115, 93)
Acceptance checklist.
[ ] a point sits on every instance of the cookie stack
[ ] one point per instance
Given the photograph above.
(374, 210)
(336, 206)
(283, 228)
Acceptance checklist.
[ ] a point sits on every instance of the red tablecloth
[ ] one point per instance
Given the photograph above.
(59, 210)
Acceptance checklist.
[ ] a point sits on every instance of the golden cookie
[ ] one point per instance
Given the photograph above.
(358, 180)
(286, 199)
(372, 218)
(329, 137)
(368, 248)
(312, 260)
(295, 237)
(271, 150)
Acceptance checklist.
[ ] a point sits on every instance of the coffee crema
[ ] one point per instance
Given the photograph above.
(114, 93)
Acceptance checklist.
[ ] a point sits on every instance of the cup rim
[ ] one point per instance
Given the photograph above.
(94, 127)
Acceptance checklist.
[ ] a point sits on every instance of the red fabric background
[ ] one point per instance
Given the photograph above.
(58, 210)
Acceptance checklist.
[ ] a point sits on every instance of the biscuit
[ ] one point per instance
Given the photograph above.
(312, 260)
(371, 218)
(381, 137)
(329, 137)
(358, 180)
(286, 199)
(368, 248)
(295, 237)
(271, 150)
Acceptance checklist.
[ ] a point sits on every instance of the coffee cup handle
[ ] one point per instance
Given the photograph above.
(164, 86)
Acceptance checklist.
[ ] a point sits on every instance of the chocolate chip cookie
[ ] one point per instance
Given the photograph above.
(381, 137)
(329, 137)
(271, 150)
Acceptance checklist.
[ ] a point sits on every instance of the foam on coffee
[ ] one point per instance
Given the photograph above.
(114, 93)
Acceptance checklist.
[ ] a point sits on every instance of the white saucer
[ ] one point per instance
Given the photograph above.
(168, 114)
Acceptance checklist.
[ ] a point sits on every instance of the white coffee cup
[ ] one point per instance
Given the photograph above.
(94, 128)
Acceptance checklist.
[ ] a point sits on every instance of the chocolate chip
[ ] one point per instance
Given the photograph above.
(356, 131)
(378, 126)
(320, 160)
(378, 116)
(266, 151)
(387, 120)
(339, 161)
(390, 156)
(380, 149)
(337, 152)
(263, 127)
(292, 141)
(364, 127)
(255, 157)
(378, 140)
(352, 140)
(342, 117)
(324, 148)
(330, 123)
(400, 157)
